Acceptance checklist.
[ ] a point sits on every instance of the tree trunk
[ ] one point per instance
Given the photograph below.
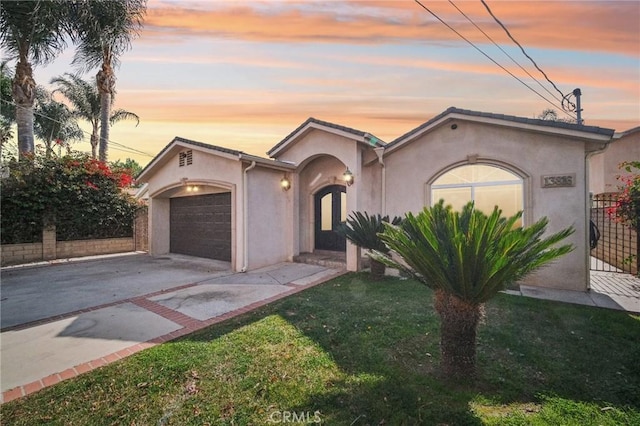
(48, 149)
(106, 86)
(377, 270)
(94, 142)
(24, 96)
(458, 325)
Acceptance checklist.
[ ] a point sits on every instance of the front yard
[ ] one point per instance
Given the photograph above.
(355, 352)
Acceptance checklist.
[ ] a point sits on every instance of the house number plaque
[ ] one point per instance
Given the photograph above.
(559, 181)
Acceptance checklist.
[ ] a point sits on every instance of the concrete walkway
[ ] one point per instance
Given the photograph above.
(75, 324)
(610, 290)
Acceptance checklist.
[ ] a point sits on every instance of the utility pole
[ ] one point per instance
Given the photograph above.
(577, 93)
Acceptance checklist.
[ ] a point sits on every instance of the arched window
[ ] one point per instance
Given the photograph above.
(486, 185)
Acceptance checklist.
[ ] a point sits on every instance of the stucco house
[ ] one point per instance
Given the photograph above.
(215, 202)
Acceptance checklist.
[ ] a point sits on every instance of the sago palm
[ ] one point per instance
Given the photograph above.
(467, 257)
(362, 230)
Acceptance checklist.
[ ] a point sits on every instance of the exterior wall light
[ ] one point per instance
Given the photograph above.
(192, 188)
(348, 177)
(285, 183)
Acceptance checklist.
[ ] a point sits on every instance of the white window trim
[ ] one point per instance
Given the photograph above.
(472, 185)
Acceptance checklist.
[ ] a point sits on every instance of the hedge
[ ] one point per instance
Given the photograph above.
(81, 196)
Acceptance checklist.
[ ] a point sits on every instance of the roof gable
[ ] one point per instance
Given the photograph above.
(545, 126)
(627, 132)
(179, 142)
(313, 123)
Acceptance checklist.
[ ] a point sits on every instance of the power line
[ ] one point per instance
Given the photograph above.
(564, 97)
(114, 145)
(503, 51)
(487, 56)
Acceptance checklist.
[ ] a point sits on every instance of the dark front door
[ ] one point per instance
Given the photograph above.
(201, 226)
(330, 212)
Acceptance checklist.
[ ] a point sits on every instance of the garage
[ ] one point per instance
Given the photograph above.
(201, 226)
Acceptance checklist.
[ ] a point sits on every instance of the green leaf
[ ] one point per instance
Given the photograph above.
(469, 254)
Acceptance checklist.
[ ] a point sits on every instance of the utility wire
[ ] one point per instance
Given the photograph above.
(503, 51)
(487, 56)
(523, 51)
(113, 144)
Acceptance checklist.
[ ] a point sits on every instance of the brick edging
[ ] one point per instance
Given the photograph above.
(66, 315)
(189, 325)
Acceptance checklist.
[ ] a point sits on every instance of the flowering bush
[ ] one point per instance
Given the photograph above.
(82, 197)
(627, 207)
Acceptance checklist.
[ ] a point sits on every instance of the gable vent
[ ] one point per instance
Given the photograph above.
(185, 158)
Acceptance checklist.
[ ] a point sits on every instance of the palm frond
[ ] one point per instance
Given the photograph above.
(34, 30)
(469, 254)
(362, 230)
(121, 114)
(82, 95)
(104, 31)
(53, 120)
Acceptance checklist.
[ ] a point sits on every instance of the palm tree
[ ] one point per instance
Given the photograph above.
(467, 258)
(7, 110)
(54, 122)
(31, 32)
(362, 230)
(85, 99)
(104, 31)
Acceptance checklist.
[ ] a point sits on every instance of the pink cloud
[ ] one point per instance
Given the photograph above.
(583, 26)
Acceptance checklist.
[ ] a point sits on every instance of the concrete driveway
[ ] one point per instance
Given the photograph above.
(33, 293)
(63, 319)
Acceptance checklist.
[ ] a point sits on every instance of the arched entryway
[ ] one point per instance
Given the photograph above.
(330, 211)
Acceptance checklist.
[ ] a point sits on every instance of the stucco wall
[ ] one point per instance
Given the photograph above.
(320, 143)
(206, 168)
(270, 218)
(371, 192)
(604, 166)
(530, 155)
(159, 209)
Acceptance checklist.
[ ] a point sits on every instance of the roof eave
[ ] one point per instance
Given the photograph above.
(268, 163)
(572, 133)
(210, 149)
(627, 132)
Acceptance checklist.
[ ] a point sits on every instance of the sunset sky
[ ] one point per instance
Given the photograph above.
(243, 74)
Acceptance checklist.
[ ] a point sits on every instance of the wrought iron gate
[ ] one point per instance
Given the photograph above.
(616, 249)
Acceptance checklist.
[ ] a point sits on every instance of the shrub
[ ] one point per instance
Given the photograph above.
(82, 197)
(627, 207)
(362, 230)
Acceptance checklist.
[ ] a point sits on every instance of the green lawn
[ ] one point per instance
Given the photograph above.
(355, 352)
